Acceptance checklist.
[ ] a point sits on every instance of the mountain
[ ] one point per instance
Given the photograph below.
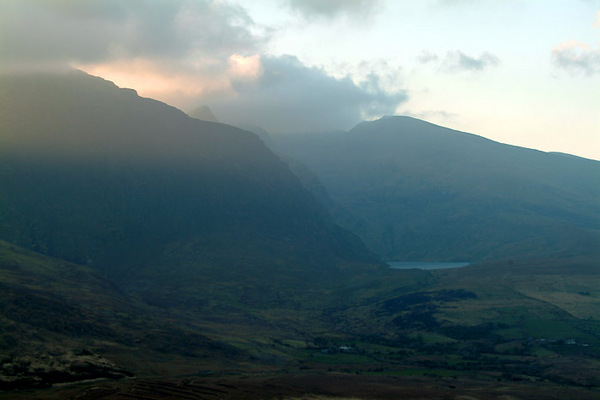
(171, 207)
(137, 242)
(203, 113)
(418, 191)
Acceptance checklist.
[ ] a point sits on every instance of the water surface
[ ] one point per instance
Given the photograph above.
(425, 265)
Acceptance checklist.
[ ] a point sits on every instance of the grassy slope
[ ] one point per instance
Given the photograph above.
(50, 312)
(507, 327)
(62, 322)
(536, 319)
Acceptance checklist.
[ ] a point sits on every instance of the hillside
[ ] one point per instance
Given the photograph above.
(62, 322)
(500, 328)
(416, 191)
(160, 202)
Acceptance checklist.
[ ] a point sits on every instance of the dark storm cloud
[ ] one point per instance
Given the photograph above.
(290, 97)
(53, 32)
(577, 58)
(333, 8)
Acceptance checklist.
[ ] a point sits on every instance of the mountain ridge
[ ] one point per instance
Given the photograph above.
(417, 121)
(117, 178)
(420, 191)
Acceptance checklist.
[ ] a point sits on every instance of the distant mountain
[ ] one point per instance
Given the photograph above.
(203, 113)
(260, 132)
(418, 191)
(171, 207)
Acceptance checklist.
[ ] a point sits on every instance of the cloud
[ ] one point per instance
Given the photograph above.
(577, 58)
(245, 68)
(426, 57)
(454, 2)
(311, 9)
(279, 94)
(189, 53)
(290, 97)
(170, 82)
(456, 61)
(62, 32)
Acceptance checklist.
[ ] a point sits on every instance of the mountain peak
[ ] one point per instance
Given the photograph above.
(203, 113)
(422, 191)
(402, 122)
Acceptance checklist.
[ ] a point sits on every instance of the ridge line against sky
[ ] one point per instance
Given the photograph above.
(521, 72)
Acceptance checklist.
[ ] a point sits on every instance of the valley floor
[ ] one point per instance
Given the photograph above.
(308, 386)
(503, 330)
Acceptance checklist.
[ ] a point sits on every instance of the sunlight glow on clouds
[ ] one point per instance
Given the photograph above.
(159, 82)
(289, 97)
(326, 64)
(188, 53)
(245, 68)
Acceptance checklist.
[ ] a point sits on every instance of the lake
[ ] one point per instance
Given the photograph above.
(425, 265)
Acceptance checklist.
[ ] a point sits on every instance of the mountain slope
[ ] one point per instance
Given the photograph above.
(150, 197)
(63, 322)
(424, 192)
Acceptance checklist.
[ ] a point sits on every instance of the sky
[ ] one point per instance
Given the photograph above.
(522, 72)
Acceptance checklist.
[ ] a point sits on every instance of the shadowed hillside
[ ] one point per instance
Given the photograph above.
(417, 191)
(155, 199)
(62, 322)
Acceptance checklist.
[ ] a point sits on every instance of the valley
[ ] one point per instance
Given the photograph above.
(442, 332)
(147, 254)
